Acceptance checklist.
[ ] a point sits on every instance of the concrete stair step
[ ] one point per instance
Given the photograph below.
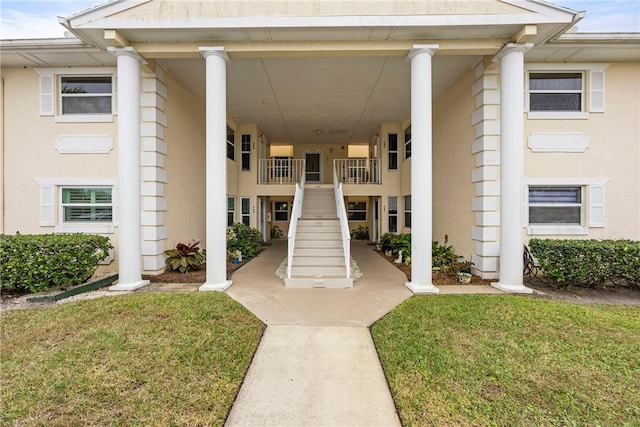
(308, 261)
(314, 271)
(318, 222)
(333, 228)
(319, 252)
(318, 216)
(317, 244)
(318, 282)
(319, 236)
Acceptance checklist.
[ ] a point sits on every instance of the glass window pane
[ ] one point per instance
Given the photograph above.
(229, 219)
(246, 205)
(86, 105)
(407, 219)
(554, 215)
(86, 84)
(357, 216)
(407, 203)
(281, 216)
(246, 220)
(393, 160)
(231, 203)
(555, 102)
(393, 224)
(393, 204)
(393, 142)
(555, 81)
(555, 195)
(246, 142)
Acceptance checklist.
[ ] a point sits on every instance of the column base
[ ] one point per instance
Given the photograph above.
(129, 286)
(417, 288)
(512, 289)
(222, 286)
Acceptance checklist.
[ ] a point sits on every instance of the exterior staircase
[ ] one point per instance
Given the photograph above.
(318, 257)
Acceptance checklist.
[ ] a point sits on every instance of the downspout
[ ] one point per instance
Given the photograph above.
(576, 18)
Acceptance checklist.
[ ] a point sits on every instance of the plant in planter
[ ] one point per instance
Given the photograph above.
(361, 232)
(185, 257)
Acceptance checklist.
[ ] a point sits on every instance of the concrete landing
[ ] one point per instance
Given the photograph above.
(380, 289)
(314, 376)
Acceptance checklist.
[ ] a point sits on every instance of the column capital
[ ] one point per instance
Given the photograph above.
(126, 51)
(417, 49)
(511, 48)
(215, 50)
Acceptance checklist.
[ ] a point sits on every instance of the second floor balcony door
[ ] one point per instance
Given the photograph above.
(312, 165)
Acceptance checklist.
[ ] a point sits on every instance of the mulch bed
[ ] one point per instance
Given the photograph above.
(439, 278)
(196, 276)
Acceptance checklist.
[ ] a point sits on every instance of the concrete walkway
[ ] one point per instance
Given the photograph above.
(316, 364)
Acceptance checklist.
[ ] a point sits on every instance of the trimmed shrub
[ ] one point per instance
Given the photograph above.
(39, 262)
(443, 256)
(588, 262)
(242, 238)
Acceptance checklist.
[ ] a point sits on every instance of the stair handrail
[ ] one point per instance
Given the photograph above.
(344, 223)
(296, 213)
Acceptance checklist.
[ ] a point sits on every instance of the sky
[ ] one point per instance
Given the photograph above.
(37, 18)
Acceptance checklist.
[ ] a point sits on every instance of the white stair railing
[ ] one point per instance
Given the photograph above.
(344, 224)
(357, 171)
(280, 171)
(296, 213)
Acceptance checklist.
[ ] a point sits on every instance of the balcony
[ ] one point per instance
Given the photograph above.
(280, 171)
(358, 171)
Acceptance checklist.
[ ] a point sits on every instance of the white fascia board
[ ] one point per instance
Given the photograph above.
(43, 44)
(588, 38)
(326, 21)
(100, 11)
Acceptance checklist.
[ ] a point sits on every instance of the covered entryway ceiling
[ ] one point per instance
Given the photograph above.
(327, 99)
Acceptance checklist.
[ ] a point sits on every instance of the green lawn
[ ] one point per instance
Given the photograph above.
(137, 359)
(511, 361)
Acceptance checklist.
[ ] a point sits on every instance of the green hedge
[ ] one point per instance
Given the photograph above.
(39, 262)
(588, 262)
(245, 239)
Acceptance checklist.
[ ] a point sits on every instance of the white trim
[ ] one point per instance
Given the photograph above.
(558, 142)
(566, 181)
(80, 182)
(84, 118)
(84, 144)
(74, 71)
(549, 230)
(84, 228)
(556, 115)
(572, 66)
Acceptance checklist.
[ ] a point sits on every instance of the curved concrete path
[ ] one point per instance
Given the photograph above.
(316, 364)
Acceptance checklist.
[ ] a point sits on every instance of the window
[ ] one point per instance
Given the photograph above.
(231, 210)
(245, 210)
(407, 142)
(555, 92)
(393, 214)
(85, 95)
(245, 148)
(555, 205)
(86, 205)
(393, 151)
(407, 211)
(281, 211)
(231, 144)
(357, 211)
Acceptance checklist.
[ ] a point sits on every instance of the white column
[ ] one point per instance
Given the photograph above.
(421, 170)
(511, 167)
(216, 175)
(129, 203)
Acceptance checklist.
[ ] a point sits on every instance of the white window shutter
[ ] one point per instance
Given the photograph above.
(47, 96)
(596, 206)
(47, 216)
(596, 91)
(114, 90)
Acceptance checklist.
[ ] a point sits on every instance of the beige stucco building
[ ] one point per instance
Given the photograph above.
(160, 121)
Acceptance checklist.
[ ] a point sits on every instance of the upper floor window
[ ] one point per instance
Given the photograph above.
(85, 95)
(393, 151)
(407, 142)
(231, 144)
(246, 152)
(564, 90)
(556, 92)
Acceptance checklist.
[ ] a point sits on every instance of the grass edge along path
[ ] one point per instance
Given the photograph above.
(136, 359)
(506, 360)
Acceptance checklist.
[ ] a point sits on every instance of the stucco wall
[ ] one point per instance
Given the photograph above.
(185, 164)
(452, 166)
(613, 152)
(30, 154)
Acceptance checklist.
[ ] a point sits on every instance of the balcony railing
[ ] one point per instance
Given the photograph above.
(357, 171)
(280, 171)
